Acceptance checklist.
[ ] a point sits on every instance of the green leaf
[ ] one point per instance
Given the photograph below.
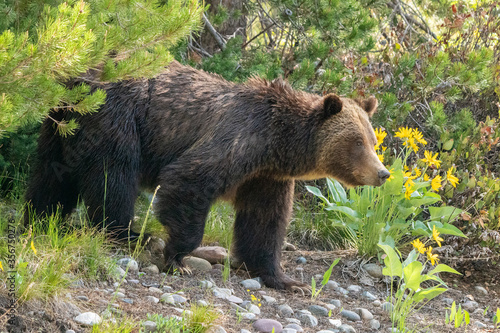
(412, 275)
(443, 268)
(343, 209)
(392, 263)
(328, 273)
(428, 294)
(317, 192)
(337, 191)
(412, 256)
(449, 229)
(448, 145)
(446, 213)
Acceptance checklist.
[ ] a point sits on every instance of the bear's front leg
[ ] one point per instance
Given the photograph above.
(263, 208)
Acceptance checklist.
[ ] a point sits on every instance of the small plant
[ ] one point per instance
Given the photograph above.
(496, 318)
(457, 317)
(410, 294)
(226, 272)
(164, 324)
(326, 277)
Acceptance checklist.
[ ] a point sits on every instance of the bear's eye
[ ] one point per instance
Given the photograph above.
(359, 143)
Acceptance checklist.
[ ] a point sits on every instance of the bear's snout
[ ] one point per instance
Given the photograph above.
(383, 175)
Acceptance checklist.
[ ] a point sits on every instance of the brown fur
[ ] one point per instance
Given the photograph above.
(202, 138)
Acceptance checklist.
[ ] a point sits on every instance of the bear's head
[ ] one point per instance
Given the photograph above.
(346, 142)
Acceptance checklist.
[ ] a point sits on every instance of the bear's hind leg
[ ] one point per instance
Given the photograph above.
(263, 208)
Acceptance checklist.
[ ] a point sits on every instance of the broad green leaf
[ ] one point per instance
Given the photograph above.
(467, 317)
(404, 212)
(429, 294)
(448, 144)
(443, 268)
(337, 187)
(332, 190)
(317, 192)
(392, 263)
(445, 213)
(412, 275)
(343, 209)
(449, 229)
(412, 256)
(328, 273)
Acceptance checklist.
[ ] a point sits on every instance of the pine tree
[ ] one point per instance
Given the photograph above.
(44, 44)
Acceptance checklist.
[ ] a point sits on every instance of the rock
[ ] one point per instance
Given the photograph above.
(82, 298)
(374, 324)
(342, 291)
(285, 310)
(364, 313)
(250, 284)
(88, 319)
(289, 330)
(367, 281)
(374, 270)
(223, 293)
(368, 295)
(308, 320)
(155, 290)
(252, 308)
(318, 310)
(481, 290)
(289, 247)
(202, 302)
(335, 302)
(157, 245)
(331, 285)
(245, 331)
(377, 303)
(167, 298)
(198, 264)
(166, 289)
(448, 301)
(151, 269)
(132, 265)
(335, 322)
(267, 325)
(69, 331)
(292, 321)
(149, 326)
(470, 305)
(234, 299)
(119, 294)
(118, 271)
(152, 299)
(387, 307)
(216, 329)
(248, 315)
(134, 281)
(127, 300)
(269, 299)
(205, 284)
(295, 327)
(350, 315)
(212, 254)
(301, 260)
(346, 329)
(178, 299)
(479, 324)
(354, 288)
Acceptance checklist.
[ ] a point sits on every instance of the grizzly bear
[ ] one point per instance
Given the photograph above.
(202, 138)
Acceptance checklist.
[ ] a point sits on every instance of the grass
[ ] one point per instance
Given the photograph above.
(198, 320)
(219, 225)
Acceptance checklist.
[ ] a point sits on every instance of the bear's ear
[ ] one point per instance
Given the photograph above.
(369, 105)
(332, 104)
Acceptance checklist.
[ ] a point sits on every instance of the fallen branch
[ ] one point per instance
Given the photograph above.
(215, 34)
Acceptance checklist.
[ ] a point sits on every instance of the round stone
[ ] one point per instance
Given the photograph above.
(152, 299)
(374, 324)
(250, 284)
(205, 284)
(387, 307)
(295, 327)
(374, 270)
(179, 299)
(354, 288)
(269, 299)
(198, 264)
(364, 314)
(285, 310)
(88, 319)
(267, 325)
(335, 322)
(301, 260)
(167, 298)
(335, 302)
(318, 310)
(308, 320)
(331, 285)
(350, 315)
(368, 295)
(151, 269)
(149, 326)
(481, 290)
(155, 290)
(346, 329)
(212, 254)
(132, 265)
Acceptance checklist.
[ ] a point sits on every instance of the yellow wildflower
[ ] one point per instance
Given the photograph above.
(391, 177)
(253, 298)
(1, 267)
(436, 183)
(380, 134)
(435, 235)
(404, 133)
(418, 172)
(451, 178)
(380, 157)
(413, 145)
(384, 148)
(426, 177)
(260, 304)
(417, 135)
(430, 159)
(409, 183)
(417, 244)
(432, 257)
(408, 192)
(33, 247)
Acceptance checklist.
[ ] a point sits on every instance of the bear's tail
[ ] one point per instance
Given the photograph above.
(51, 187)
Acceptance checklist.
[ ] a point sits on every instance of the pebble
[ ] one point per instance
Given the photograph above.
(179, 299)
(133, 281)
(387, 307)
(269, 299)
(252, 308)
(331, 285)
(335, 302)
(152, 299)
(202, 303)
(342, 291)
(250, 284)
(267, 325)
(88, 319)
(155, 290)
(481, 290)
(289, 330)
(127, 300)
(205, 284)
(374, 270)
(293, 321)
(295, 327)
(350, 315)
(223, 293)
(354, 288)
(346, 329)
(318, 310)
(119, 294)
(364, 313)
(245, 331)
(212, 254)
(374, 324)
(377, 303)
(69, 331)
(285, 310)
(132, 265)
(198, 264)
(82, 298)
(470, 305)
(301, 260)
(149, 326)
(167, 298)
(216, 329)
(308, 320)
(368, 295)
(335, 322)
(448, 301)
(248, 316)
(234, 299)
(479, 324)
(120, 272)
(151, 269)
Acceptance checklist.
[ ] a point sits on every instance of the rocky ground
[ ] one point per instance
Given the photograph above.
(353, 300)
